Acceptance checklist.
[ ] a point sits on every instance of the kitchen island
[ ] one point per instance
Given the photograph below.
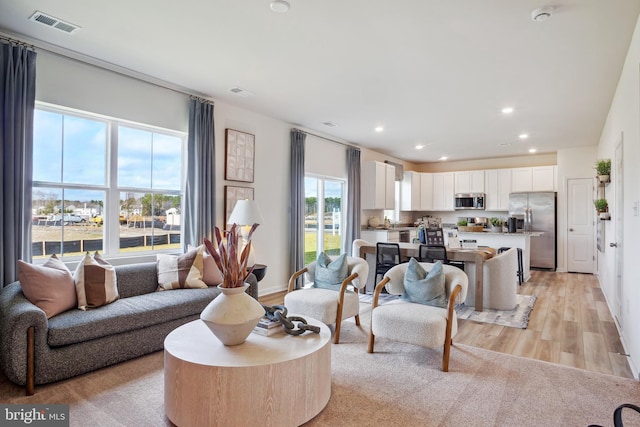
(509, 240)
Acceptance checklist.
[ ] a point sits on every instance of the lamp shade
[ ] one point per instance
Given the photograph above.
(246, 212)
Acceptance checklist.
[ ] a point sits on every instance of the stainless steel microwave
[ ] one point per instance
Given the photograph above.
(468, 201)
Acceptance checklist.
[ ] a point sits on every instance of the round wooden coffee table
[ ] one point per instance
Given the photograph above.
(279, 380)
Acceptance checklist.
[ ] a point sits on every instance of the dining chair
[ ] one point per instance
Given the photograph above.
(387, 256)
(433, 253)
(520, 271)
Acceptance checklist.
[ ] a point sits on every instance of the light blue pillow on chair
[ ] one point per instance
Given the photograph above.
(423, 288)
(330, 274)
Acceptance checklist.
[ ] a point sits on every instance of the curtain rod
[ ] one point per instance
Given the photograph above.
(327, 139)
(18, 42)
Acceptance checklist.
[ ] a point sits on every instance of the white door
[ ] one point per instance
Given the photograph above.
(580, 212)
(618, 216)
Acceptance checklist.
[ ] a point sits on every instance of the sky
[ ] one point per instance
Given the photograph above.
(143, 156)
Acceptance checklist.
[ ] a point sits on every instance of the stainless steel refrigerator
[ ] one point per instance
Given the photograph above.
(536, 212)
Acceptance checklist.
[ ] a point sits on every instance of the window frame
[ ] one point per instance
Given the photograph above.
(111, 209)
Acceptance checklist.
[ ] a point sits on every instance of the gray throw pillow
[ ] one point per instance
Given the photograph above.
(330, 274)
(423, 288)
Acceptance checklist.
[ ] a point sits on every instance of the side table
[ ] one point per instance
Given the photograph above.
(281, 380)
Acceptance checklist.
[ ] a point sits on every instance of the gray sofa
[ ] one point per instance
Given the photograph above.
(34, 350)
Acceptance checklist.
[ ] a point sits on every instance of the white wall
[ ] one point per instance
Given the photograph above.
(572, 163)
(623, 122)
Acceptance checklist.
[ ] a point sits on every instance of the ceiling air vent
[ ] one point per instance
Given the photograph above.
(330, 124)
(52, 22)
(240, 92)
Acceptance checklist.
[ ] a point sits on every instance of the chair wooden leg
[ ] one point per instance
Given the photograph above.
(31, 363)
(336, 336)
(371, 339)
(357, 320)
(445, 356)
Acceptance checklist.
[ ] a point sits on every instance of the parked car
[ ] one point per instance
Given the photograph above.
(68, 218)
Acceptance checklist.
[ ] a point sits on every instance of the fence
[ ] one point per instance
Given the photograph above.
(84, 245)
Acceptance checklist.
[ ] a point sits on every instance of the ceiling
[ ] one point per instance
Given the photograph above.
(431, 72)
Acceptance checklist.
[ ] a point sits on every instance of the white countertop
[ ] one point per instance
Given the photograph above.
(527, 233)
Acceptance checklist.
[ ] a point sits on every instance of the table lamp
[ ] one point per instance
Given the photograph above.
(246, 213)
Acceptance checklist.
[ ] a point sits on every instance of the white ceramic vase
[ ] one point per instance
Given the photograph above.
(232, 315)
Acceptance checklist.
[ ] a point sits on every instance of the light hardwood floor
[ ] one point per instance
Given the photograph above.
(570, 325)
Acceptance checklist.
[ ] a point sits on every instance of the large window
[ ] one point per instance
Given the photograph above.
(104, 184)
(323, 232)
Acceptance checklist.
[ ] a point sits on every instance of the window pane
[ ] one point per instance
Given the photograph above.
(47, 146)
(310, 220)
(85, 145)
(332, 216)
(63, 222)
(149, 221)
(167, 154)
(134, 158)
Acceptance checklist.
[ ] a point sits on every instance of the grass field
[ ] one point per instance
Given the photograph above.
(331, 245)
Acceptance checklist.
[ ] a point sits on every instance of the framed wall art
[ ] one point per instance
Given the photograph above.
(240, 156)
(231, 195)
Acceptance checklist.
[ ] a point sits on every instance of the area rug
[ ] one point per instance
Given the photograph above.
(516, 318)
(397, 385)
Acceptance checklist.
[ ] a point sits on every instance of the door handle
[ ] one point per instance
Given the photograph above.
(613, 245)
(571, 229)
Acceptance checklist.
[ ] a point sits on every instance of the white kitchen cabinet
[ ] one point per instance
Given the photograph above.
(417, 192)
(443, 190)
(375, 236)
(377, 185)
(410, 193)
(426, 191)
(498, 187)
(539, 178)
(469, 182)
(543, 178)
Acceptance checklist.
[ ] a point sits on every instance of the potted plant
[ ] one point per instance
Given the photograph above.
(601, 205)
(233, 314)
(603, 169)
(496, 224)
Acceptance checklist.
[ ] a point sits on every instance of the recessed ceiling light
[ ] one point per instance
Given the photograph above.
(443, 158)
(419, 147)
(532, 150)
(279, 6)
(507, 110)
(379, 128)
(523, 136)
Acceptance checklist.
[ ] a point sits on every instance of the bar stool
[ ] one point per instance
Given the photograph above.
(520, 271)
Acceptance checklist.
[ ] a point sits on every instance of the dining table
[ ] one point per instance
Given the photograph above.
(476, 256)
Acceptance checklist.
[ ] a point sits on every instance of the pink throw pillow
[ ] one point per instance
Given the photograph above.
(49, 286)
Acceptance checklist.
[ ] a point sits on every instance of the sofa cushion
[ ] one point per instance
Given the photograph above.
(184, 271)
(48, 286)
(128, 314)
(95, 281)
(425, 288)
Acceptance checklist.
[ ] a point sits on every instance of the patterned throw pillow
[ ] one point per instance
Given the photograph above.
(330, 274)
(184, 271)
(96, 283)
(423, 288)
(48, 286)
